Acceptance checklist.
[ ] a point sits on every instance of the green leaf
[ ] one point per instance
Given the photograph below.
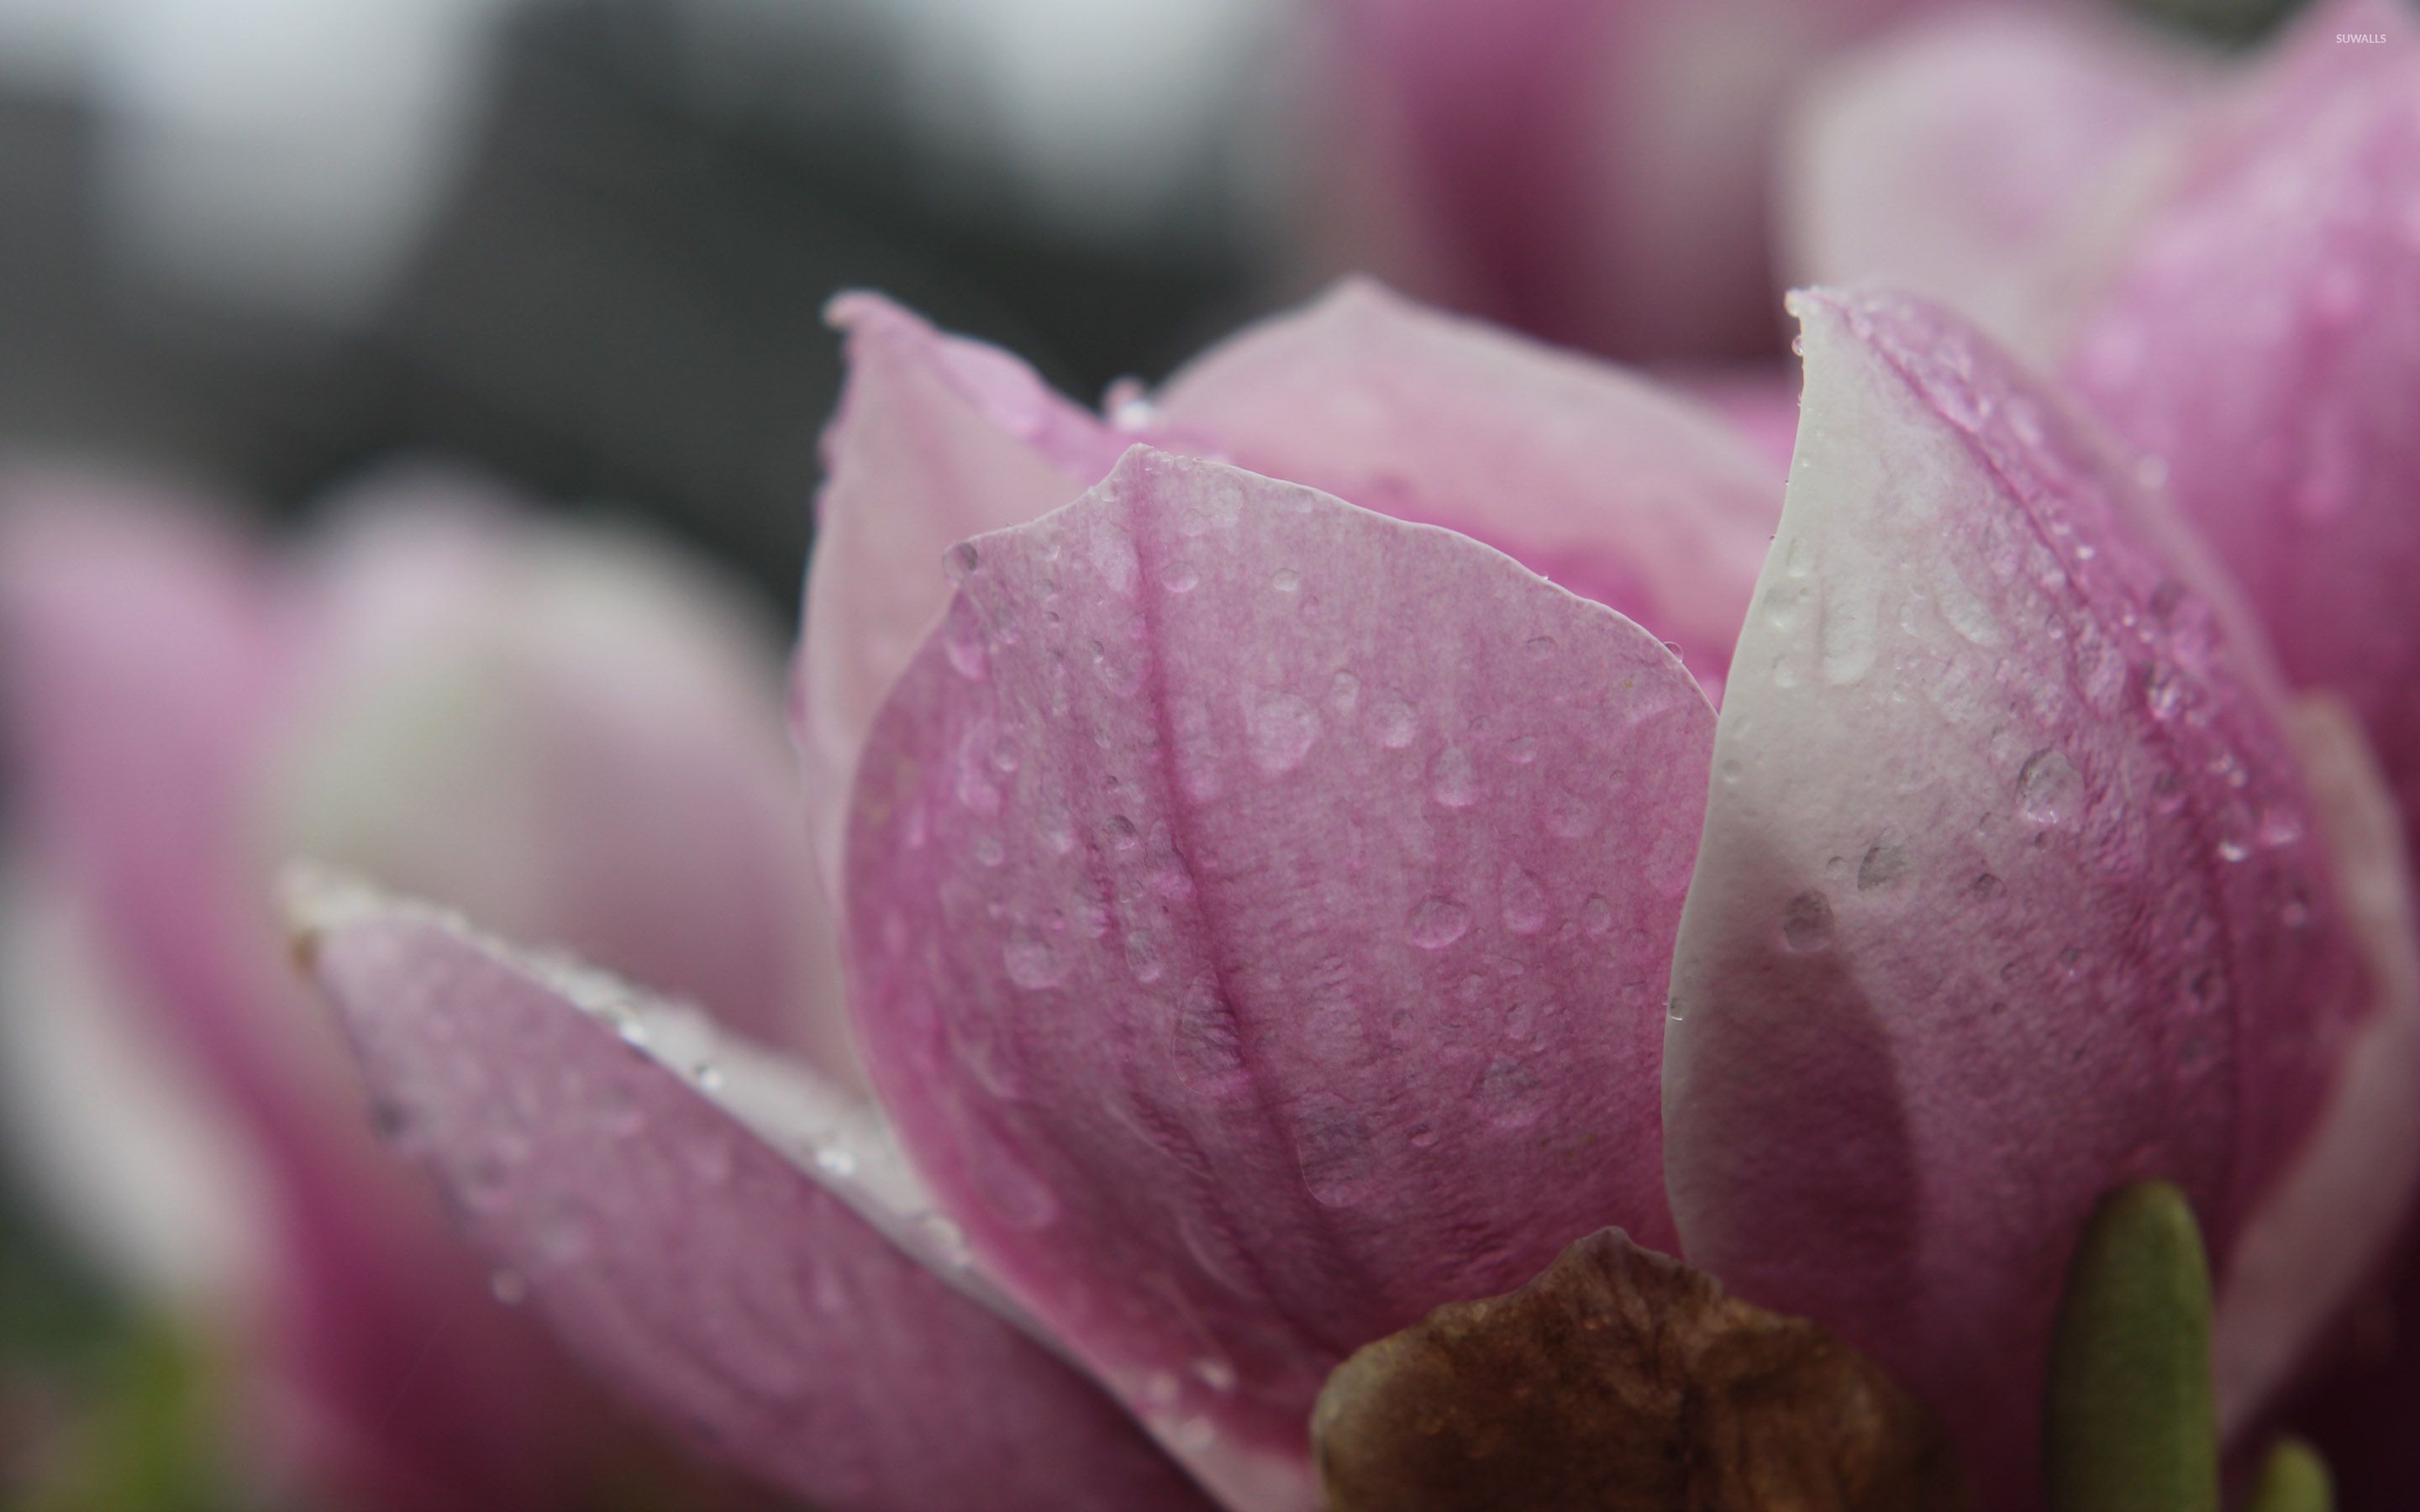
(2128, 1424)
(2295, 1479)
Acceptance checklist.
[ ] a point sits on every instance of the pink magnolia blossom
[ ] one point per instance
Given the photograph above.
(2235, 286)
(564, 732)
(1272, 909)
(2227, 267)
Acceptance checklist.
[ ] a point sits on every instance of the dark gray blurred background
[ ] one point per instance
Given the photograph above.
(259, 244)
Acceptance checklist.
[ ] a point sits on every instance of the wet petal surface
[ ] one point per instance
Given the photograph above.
(2011, 889)
(701, 1224)
(1619, 491)
(1257, 921)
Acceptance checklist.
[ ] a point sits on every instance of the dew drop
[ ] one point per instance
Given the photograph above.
(1032, 963)
(1885, 863)
(2280, 825)
(1392, 721)
(1113, 558)
(1179, 577)
(1283, 729)
(836, 1163)
(1807, 924)
(1568, 816)
(1452, 781)
(1596, 915)
(1143, 956)
(945, 1240)
(959, 562)
(1008, 1185)
(1345, 694)
(1987, 888)
(1437, 922)
(1524, 901)
(1286, 580)
(2048, 790)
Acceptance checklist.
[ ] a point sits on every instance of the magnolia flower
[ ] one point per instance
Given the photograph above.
(2227, 264)
(563, 731)
(1596, 173)
(2228, 269)
(1261, 890)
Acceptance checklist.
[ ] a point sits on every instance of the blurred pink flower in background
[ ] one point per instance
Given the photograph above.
(562, 731)
(1260, 912)
(1599, 174)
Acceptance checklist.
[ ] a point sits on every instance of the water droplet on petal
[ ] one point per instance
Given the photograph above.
(1524, 901)
(1807, 923)
(2049, 792)
(1283, 729)
(1452, 781)
(959, 562)
(1596, 915)
(1391, 721)
(1345, 694)
(1884, 864)
(1437, 922)
(1033, 963)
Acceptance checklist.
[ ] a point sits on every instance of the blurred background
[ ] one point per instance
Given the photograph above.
(257, 246)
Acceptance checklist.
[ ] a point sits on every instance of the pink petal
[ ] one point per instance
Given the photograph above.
(1603, 482)
(1594, 173)
(573, 734)
(2262, 347)
(144, 655)
(1257, 921)
(2011, 888)
(1988, 158)
(705, 1271)
(2305, 1253)
(938, 439)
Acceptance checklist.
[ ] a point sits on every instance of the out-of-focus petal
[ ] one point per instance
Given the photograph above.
(2263, 349)
(1610, 485)
(1594, 173)
(1761, 405)
(2314, 1240)
(1989, 158)
(2009, 892)
(938, 439)
(713, 1275)
(144, 655)
(99, 1117)
(1258, 911)
(570, 734)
